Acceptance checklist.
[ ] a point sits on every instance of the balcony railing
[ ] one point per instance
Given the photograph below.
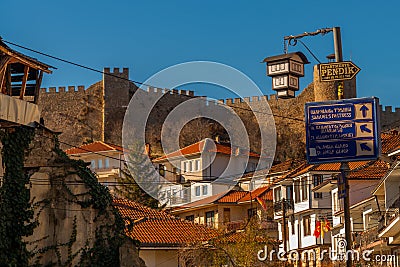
(235, 225)
(180, 200)
(365, 238)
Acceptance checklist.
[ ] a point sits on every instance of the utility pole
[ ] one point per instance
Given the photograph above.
(284, 224)
(344, 168)
(337, 42)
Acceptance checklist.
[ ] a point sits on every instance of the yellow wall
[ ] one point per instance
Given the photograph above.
(159, 257)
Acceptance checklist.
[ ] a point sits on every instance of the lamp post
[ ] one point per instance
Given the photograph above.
(285, 71)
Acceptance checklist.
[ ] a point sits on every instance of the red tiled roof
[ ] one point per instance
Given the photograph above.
(153, 228)
(135, 210)
(261, 192)
(286, 165)
(390, 142)
(358, 169)
(232, 196)
(172, 232)
(277, 168)
(373, 170)
(202, 202)
(301, 169)
(197, 148)
(97, 146)
(336, 166)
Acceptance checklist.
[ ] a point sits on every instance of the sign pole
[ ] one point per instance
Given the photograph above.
(284, 225)
(337, 42)
(344, 168)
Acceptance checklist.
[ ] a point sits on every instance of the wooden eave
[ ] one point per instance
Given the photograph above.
(20, 58)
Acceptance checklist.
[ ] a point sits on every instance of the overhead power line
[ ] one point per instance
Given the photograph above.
(133, 81)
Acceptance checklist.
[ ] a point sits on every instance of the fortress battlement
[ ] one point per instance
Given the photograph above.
(238, 100)
(151, 89)
(389, 110)
(116, 71)
(63, 89)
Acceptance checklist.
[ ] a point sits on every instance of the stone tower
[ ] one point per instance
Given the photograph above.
(324, 91)
(117, 87)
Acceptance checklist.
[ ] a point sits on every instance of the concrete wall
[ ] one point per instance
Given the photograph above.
(55, 190)
(159, 257)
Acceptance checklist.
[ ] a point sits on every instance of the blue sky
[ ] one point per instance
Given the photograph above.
(148, 36)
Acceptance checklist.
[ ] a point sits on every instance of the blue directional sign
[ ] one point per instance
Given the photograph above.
(342, 130)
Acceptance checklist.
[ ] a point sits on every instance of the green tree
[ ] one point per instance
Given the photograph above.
(16, 213)
(138, 173)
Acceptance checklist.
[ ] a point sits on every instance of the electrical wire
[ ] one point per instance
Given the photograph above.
(141, 83)
(308, 49)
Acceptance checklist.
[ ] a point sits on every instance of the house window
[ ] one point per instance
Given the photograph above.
(197, 191)
(277, 194)
(306, 225)
(335, 202)
(205, 189)
(190, 218)
(93, 164)
(210, 218)
(297, 191)
(100, 164)
(304, 189)
(107, 163)
(317, 180)
(197, 165)
(289, 192)
(190, 166)
(168, 194)
(251, 212)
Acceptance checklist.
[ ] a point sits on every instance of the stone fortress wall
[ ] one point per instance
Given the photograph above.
(97, 112)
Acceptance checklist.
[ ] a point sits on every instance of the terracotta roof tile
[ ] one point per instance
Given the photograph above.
(359, 169)
(336, 166)
(286, 165)
(172, 232)
(135, 210)
(301, 169)
(277, 168)
(261, 192)
(390, 142)
(232, 197)
(97, 146)
(197, 148)
(202, 202)
(154, 228)
(373, 170)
